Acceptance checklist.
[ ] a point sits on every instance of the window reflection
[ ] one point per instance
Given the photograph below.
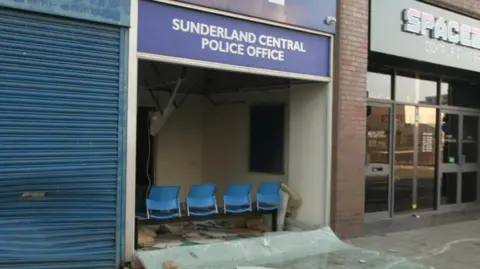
(449, 139)
(449, 189)
(426, 151)
(377, 135)
(469, 142)
(415, 90)
(379, 86)
(377, 159)
(469, 187)
(404, 157)
(460, 94)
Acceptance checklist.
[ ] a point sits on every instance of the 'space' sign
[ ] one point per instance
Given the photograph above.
(415, 30)
(440, 28)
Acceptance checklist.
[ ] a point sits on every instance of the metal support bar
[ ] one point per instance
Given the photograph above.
(211, 100)
(157, 71)
(266, 93)
(183, 100)
(215, 104)
(157, 104)
(163, 86)
(174, 102)
(159, 74)
(177, 87)
(252, 89)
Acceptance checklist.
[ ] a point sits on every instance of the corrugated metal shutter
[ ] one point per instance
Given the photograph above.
(59, 136)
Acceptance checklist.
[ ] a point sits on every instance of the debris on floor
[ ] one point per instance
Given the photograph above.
(205, 232)
(170, 265)
(294, 199)
(256, 224)
(146, 237)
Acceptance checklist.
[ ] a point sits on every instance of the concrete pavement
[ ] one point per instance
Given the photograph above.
(453, 246)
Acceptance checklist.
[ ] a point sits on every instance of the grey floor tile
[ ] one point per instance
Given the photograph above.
(453, 246)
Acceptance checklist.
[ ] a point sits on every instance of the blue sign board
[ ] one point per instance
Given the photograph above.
(186, 33)
(116, 12)
(303, 13)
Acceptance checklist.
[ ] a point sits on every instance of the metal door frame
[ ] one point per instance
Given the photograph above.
(391, 136)
(459, 167)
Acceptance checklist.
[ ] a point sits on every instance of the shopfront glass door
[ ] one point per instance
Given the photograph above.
(377, 160)
(426, 149)
(415, 158)
(459, 154)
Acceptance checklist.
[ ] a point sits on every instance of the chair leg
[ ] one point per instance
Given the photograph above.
(148, 214)
(225, 208)
(274, 220)
(136, 246)
(188, 210)
(179, 210)
(216, 207)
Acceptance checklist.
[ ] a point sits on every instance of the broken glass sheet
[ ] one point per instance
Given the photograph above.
(317, 249)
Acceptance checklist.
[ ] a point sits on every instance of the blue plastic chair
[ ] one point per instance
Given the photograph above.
(237, 199)
(201, 200)
(163, 199)
(268, 196)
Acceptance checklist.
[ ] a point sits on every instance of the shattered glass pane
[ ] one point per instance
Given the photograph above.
(318, 249)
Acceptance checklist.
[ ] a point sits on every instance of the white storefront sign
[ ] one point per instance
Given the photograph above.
(419, 31)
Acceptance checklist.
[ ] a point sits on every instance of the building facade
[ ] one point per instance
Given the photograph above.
(63, 86)
(270, 52)
(407, 113)
(389, 84)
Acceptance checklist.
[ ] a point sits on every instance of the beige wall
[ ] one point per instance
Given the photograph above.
(203, 143)
(308, 150)
(178, 146)
(226, 142)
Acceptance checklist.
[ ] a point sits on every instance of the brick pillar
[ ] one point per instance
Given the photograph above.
(348, 152)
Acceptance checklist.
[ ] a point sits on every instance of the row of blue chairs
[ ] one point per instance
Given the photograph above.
(163, 201)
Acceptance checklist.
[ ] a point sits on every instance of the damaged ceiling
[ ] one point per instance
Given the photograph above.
(156, 76)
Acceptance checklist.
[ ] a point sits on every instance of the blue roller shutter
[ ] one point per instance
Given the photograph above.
(59, 142)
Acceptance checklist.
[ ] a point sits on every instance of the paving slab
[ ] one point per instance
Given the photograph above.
(453, 246)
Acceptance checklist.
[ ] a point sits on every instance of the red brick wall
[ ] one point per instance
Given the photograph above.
(350, 69)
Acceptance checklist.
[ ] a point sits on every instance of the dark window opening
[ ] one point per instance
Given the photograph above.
(460, 93)
(267, 136)
(144, 148)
